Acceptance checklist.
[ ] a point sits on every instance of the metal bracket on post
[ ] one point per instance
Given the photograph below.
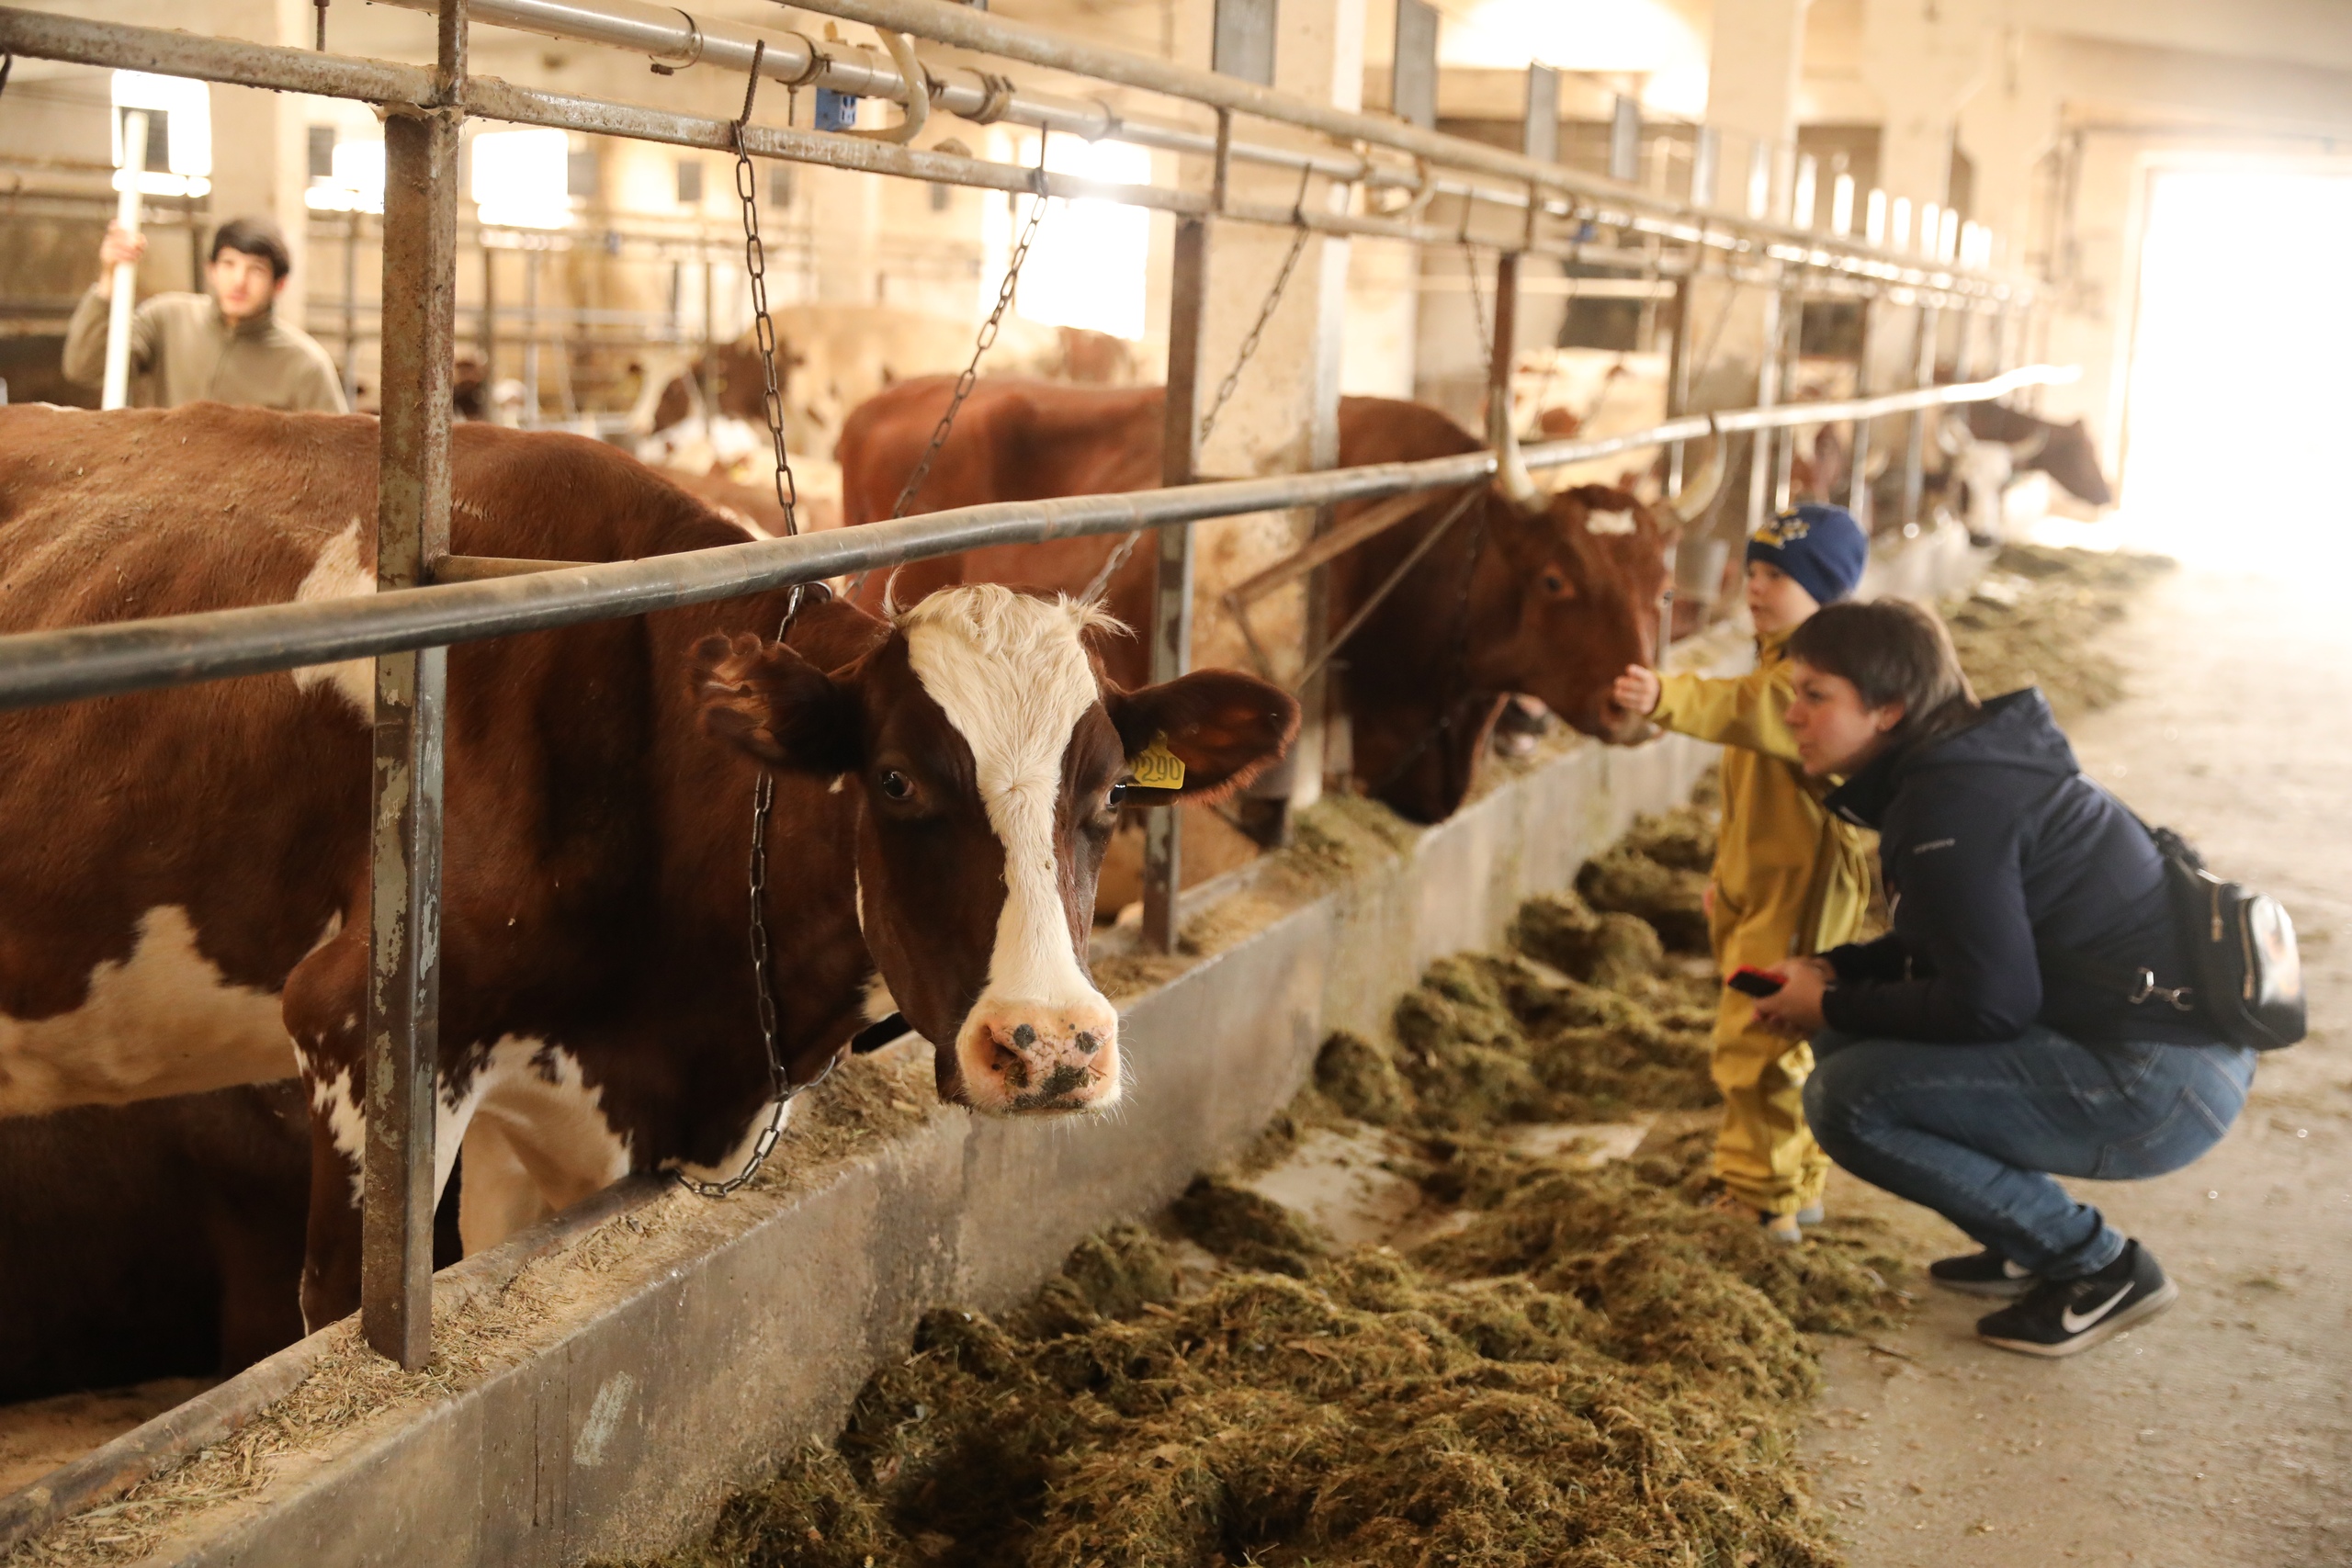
(1172, 605)
(403, 1000)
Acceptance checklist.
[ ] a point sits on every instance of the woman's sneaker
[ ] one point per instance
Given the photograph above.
(1985, 1274)
(2058, 1317)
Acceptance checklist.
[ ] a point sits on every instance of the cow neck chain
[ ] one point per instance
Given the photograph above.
(1224, 390)
(781, 1090)
(970, 374)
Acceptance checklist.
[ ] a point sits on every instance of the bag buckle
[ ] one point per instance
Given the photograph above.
(2181, 996)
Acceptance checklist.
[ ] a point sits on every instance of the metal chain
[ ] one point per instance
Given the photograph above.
(1110, 569)
(971, 375)
(781, 1090)
(1477, 302)
(755, 263)
(1265, 312)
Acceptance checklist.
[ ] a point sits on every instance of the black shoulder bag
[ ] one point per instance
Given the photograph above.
(2245, 974)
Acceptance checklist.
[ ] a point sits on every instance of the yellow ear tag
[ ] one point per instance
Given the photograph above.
(1158, 768)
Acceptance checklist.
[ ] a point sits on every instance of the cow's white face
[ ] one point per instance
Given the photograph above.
(1014, 681)
(990, 762)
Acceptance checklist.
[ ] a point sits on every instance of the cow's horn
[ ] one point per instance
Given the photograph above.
(1510, 470)
(1690, 503)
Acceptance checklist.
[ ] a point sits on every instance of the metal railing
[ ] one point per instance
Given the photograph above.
(407, 626)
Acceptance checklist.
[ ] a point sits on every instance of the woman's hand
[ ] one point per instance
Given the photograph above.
(1796, 1008)
(1636, 691)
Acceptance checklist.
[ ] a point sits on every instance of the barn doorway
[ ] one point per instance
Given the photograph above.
(2234, 422)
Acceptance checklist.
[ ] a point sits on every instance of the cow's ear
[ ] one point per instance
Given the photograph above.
(774, 704)
(1222, 728)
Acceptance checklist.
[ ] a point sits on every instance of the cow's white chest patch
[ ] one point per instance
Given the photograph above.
(341, 573)
(163, 1020)
(544, 1138)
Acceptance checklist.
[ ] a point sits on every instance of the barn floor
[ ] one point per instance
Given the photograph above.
(2220, 1434)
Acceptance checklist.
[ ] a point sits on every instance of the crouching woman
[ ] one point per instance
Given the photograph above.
(1954, 1069)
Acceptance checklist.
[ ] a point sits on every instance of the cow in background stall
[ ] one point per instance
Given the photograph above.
(1548, 595)
(830, 358)
(184, 894)
(162, 1238)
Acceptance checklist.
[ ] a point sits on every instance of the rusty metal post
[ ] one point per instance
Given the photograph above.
(351, 310)
(411, 532)
(1677, 453)
(1858, 482)
(1171, 606)
(1784, 445)
(1915, 440)
(1767, 395)
(489, 330)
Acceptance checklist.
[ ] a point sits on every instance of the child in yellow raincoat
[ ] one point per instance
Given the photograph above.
(1789, 879)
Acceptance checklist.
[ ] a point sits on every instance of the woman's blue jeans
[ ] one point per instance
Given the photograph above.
(1977, 1131)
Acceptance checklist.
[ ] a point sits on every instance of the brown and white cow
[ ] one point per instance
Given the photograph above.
(183, 873)
(1550, 596)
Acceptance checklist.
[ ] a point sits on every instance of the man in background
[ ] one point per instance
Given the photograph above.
(225, 346)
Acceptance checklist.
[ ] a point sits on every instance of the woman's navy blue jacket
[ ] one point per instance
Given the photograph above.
(1990, 837)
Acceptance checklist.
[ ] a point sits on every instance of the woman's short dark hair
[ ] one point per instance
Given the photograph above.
(1893, 651)
(254, 237)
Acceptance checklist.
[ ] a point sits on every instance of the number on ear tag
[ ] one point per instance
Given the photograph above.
(1157, 767)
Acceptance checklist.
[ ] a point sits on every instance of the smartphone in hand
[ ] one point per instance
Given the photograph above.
(1750, 981)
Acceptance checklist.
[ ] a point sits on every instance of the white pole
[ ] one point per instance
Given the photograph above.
(134, 162)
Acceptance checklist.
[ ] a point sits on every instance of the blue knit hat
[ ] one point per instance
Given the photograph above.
(1822, 547)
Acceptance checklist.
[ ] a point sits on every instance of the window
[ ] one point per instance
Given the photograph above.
(520, 178)
(1086, 267)
(941, 196)
(321, 146)
(579, 174)
(689, 182)
(780, 184)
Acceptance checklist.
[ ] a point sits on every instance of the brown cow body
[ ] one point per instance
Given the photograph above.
(188, 865)
(1553, 604)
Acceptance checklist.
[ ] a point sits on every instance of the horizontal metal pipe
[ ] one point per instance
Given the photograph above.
(101, 660)
(967, 27)
(42, 35)
(680, 39)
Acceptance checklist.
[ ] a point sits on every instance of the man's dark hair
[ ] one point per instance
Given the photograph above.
(1893, 651)
(254, 237)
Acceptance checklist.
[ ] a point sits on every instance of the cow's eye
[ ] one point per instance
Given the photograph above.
(896, 785)
(1114, 797)
(1556, 582)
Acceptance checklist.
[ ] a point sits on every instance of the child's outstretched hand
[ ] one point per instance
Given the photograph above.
(1636, 690)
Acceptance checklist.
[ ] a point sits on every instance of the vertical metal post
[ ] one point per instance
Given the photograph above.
(489, 329)
(411, 532)
(1677, 404)
(1965, 351)
(351, 310)
(1767, 395)
(1857, 481)
(1625, 138)
(1785, 447)
(1412, 81)
(1914, 441)
(1171, 607)
(531, 339)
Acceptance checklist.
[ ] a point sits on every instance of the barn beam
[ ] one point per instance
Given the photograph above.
(403, 1019)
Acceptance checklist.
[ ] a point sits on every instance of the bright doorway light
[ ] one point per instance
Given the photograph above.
(522, 178)
(187, 108)
(1088, 266)
(2236, 394)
